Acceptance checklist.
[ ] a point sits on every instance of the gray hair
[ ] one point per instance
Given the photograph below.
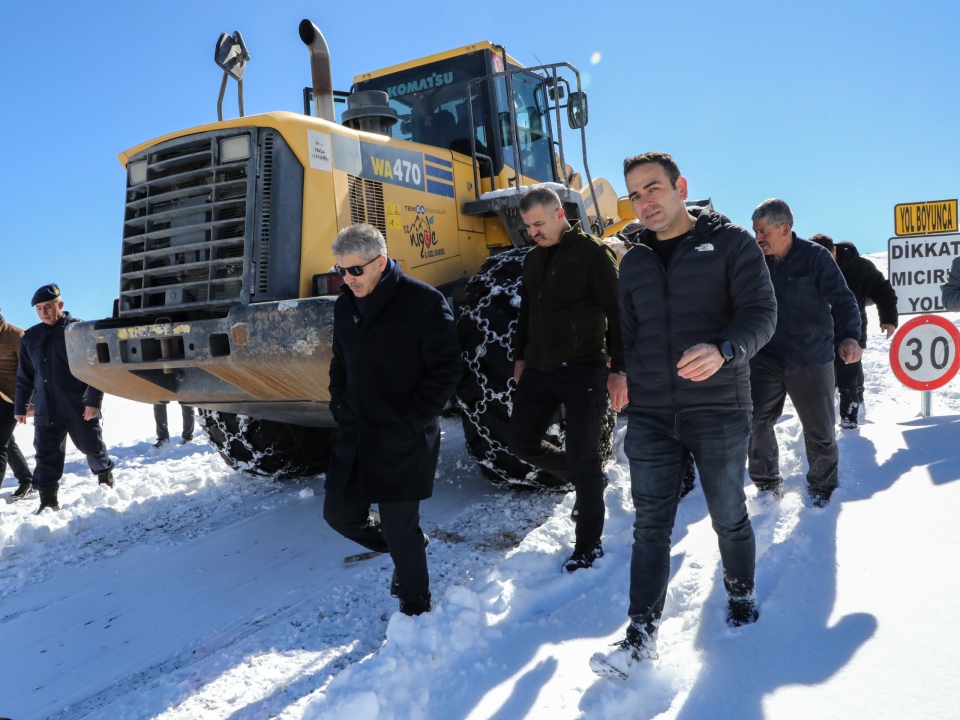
(774, 211)
(539, 195)
(363, 239)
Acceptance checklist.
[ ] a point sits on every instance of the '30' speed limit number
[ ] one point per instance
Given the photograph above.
(924, 354)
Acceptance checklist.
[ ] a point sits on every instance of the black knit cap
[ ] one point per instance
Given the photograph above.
(47, 292)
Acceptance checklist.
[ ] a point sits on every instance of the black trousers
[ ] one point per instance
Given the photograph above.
(9, 450)
(849, 378)
(163, 429)
(398, 533)
(582, 390)
(50, 444)
(811, 390)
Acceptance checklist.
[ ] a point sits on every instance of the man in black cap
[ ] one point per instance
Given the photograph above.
(62, 404)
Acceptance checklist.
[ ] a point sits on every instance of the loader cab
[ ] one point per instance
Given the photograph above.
(440, 102)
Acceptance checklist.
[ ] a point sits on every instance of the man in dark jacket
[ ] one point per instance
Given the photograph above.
(62, 404)
(567, 330)
(814, 304)
(866, 283)
(696, 304)
(396, 362)
(10, 336)
(950, 290)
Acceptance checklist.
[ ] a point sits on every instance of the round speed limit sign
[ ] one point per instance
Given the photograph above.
(924, 354)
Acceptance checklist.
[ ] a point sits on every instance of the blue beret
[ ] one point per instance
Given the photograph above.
(47, 292)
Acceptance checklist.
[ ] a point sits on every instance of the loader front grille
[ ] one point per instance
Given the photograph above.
(187, 218)
(366, 202)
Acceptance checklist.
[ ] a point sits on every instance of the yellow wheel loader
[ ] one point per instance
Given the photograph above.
(226, 285)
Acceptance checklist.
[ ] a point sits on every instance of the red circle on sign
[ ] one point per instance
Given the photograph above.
(903, 373)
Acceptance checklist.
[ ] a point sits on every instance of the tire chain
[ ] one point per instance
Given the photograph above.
(472, 356)
(250, 466)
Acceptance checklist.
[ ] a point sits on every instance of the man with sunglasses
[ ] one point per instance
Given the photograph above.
(567, 332)
(396, 362)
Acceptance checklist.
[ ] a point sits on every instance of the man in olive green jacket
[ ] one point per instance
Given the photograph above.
(9, 450)
(567, 351)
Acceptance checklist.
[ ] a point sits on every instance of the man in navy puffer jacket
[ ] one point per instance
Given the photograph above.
(696, 304)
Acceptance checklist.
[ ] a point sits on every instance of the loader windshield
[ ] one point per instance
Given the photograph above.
(533, 126)
(433, 104)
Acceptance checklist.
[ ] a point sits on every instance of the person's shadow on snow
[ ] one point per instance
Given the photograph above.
(793, 643)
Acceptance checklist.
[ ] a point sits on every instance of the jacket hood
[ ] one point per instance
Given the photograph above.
(706, 222)
(846, 250)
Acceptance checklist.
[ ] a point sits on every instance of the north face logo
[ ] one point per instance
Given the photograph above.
(706, 247)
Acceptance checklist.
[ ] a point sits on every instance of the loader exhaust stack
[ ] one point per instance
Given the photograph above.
(319, 69)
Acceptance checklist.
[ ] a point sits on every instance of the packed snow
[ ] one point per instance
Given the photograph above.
(190, 591)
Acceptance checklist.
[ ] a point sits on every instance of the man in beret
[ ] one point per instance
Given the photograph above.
(63, 405)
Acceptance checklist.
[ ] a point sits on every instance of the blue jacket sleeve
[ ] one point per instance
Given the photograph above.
(25, 375)
(843, 303)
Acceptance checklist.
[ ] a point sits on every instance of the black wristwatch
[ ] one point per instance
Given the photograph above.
(726, 349)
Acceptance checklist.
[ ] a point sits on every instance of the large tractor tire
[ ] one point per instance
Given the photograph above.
(486, 323)
(264, 448)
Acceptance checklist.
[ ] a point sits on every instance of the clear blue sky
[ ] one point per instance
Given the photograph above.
(843, 109)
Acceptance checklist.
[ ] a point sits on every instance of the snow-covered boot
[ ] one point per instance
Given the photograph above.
(743, 611)
(21, 492)
(106, 478)
(416, 607)
(48, 499)
(637, 647)
(583, 557)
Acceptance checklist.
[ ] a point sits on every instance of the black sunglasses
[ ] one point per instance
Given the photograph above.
(355, 270)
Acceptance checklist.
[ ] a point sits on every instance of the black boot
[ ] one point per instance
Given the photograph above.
(48, 499)
(21, 492)
(106, 478)
(742, 611)
(583, 557)
(416, 607)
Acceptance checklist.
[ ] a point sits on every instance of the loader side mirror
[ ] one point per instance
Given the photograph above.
(231, 55)
(577, 115)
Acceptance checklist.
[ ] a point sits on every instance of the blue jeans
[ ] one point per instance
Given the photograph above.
(659, 446)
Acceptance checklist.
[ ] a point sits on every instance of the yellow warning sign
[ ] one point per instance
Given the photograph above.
(925, 218)
(393, 216)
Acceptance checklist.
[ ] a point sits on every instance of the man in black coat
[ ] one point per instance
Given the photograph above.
(817, 320)
(866, 283)
(62, 404)
(695, 305)
(396, 362)
(568, 330)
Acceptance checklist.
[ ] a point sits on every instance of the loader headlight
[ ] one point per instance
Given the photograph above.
(137, 172)
(235, 148)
